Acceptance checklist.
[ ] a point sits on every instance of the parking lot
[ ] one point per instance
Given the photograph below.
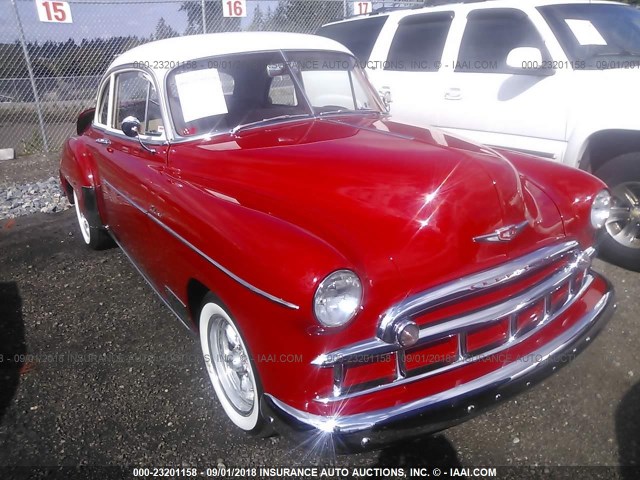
(111, 378)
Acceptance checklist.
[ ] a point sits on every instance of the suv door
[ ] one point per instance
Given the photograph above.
(486, 100)
(411, 74)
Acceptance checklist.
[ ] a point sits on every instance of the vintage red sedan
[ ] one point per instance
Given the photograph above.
(353, 280)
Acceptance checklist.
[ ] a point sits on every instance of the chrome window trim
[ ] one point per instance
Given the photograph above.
(216, 264)
(112, 74)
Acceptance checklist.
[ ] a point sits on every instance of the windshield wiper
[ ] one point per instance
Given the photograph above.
(266, 121)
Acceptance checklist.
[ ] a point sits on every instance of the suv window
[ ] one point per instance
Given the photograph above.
(359, 36)
(596, 36)
(103, 104)
(489, 37)
(419, 42)
(137, 96)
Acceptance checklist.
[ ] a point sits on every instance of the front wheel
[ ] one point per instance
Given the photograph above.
(621, 239)
(230, 368)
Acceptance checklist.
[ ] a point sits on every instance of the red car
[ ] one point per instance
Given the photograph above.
(353, 280)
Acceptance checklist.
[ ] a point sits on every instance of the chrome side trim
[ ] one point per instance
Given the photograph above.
(501, 377)
(220, 267)
(475, 284)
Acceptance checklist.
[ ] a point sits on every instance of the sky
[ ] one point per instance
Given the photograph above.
(91, 20)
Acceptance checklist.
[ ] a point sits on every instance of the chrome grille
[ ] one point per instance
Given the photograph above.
(444, 345)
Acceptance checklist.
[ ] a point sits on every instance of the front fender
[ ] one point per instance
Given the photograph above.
(566, 187)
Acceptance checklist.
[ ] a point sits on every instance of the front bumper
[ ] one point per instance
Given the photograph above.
(374, 429)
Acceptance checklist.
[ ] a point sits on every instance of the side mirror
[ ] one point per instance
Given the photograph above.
(527, 61)
(131, 126)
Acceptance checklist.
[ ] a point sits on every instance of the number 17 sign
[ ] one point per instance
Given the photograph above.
(361, 8)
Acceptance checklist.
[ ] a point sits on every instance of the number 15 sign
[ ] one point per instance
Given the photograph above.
(54, 11)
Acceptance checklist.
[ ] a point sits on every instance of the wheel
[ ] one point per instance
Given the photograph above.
(230, 367)
(620, 243)
(94, 236)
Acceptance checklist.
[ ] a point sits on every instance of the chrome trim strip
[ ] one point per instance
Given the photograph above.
(220, 267)
(474, 284)
(502, 376)
(534, 153)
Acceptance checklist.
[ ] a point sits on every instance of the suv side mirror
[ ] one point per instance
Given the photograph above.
(527, 61)
(131, 126)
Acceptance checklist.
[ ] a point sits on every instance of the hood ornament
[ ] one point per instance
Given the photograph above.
(504, 234)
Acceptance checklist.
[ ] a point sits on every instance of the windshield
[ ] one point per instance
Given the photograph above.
(232, 92)
(596, 36)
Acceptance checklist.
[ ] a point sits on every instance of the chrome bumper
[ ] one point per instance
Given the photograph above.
(371, 430)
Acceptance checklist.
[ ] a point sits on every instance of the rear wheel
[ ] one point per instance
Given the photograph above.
(230, 367)
(94, 236)
(621, 236)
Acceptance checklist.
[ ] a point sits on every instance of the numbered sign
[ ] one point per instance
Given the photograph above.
(54, 11)
(234, 8)
(361, 8)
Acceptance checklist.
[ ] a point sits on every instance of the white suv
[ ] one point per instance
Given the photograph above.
(560, 80)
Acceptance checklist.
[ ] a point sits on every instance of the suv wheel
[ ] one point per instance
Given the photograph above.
(621, 238)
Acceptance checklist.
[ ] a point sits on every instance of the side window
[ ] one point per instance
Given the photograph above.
(359, 36)
(136, 96)
(103, 104)
(489, 37)
(419, 42)
(282, 91)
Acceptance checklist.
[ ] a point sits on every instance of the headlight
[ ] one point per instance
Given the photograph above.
(337, 298)
(600, 209)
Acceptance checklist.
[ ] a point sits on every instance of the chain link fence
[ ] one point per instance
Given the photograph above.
(49, 72)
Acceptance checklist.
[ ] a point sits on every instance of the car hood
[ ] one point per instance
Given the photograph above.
(389, 197)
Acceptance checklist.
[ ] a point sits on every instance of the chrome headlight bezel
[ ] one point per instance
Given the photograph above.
(337, 299)
(600, 209)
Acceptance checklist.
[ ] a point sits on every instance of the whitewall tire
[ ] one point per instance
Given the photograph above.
(229, 366)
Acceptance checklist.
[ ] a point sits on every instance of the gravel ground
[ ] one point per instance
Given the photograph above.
(23, 190)
(114, 379)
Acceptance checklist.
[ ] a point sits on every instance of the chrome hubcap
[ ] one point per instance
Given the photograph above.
(624, 221)
(232, 365)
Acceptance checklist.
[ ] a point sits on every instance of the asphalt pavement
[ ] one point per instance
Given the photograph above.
(109, 377)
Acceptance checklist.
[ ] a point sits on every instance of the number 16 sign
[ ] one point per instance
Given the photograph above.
(54, 11)
(234, 8)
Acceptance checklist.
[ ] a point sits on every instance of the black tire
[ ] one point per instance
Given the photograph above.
(241, 405)
(94, 236)
(620, 239)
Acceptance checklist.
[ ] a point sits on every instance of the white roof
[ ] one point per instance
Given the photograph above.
(192, 47)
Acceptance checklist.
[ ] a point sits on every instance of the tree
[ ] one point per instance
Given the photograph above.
(304, 16)
(163, 30)
(215, 21)
(259, 21)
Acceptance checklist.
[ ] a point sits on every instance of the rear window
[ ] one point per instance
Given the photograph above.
(359, 36)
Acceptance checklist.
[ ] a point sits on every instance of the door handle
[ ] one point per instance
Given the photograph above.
(103, 141)
(453, 94)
